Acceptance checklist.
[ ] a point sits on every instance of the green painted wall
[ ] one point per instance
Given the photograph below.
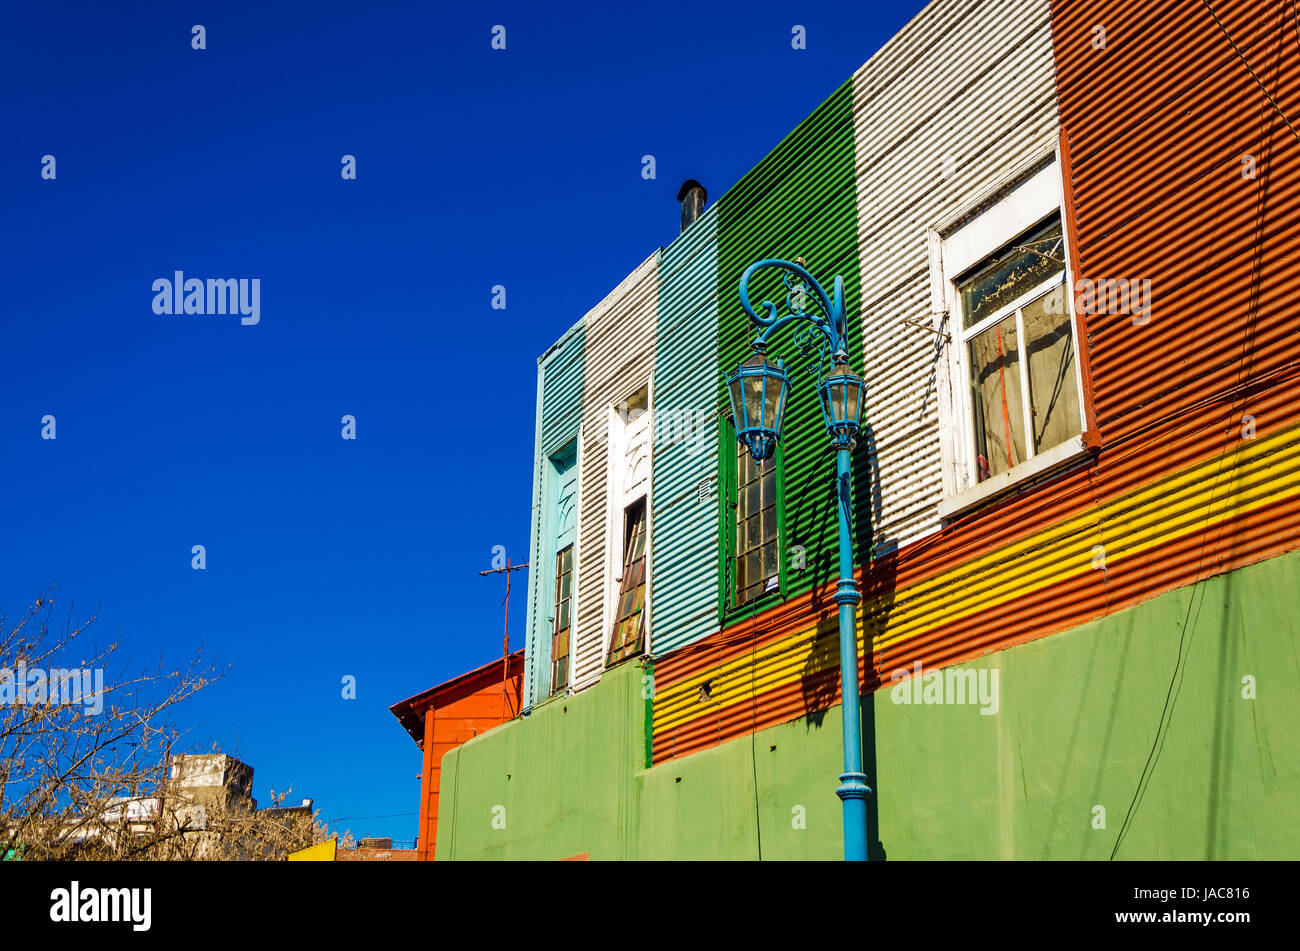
(1077, 720)
(563, 780)
(799, 201)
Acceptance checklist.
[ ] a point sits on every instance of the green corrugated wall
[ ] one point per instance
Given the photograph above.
(799, 201)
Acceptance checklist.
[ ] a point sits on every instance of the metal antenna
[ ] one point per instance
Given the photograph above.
(505, 649)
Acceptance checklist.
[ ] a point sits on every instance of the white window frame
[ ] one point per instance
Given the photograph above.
(618, 501)
(1014, 209)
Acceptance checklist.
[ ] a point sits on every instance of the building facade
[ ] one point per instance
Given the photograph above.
(1066, 232)
(442, 718)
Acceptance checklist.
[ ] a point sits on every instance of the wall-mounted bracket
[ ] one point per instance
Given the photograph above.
(942, 333)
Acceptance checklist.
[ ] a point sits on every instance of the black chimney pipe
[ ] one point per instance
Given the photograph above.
(692, 195)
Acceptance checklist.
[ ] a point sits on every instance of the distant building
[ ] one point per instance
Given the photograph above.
(378, 849)
(204, 809)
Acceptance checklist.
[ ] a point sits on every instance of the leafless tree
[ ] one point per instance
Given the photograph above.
(85, 747)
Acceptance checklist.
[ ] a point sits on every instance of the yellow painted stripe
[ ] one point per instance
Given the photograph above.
(1257, 474)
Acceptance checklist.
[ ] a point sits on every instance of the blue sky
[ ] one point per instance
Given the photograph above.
(475, 167)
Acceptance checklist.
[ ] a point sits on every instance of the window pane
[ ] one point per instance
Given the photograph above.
(769, 404)
(756, 526)
(753, 399)
(1054, 394)
(996, 399)
(1027, 262)
(769, 561)
(625, 639)
(634, 405)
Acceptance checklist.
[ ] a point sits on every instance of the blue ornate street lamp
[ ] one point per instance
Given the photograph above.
(758, 391)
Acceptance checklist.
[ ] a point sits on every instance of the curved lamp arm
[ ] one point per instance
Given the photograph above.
(795, 276)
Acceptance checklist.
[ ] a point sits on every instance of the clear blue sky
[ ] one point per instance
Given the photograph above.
(475, 167)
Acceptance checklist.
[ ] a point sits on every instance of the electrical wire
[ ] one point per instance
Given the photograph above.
(1197, 594)
(1242, 57)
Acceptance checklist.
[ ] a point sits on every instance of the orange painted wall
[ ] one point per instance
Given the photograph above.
(469, 706)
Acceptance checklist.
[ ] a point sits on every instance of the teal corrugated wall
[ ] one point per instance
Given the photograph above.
(560, 376)
(684, 540)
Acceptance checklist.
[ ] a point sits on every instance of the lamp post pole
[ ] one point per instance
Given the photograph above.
(758, 397)
(853, 789)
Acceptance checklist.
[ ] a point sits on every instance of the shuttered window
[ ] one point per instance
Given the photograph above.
(629, 615)
(563, 622)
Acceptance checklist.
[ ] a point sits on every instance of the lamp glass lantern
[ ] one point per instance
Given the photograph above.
(840, 392)
(758, 393)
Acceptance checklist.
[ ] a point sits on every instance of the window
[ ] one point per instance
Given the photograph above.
(1013, 408)
(756, 547)
(552, 646)
(1017, 335)
(563, 619)
(629, 616)
(634, 407)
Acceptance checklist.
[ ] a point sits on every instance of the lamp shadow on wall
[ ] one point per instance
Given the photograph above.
(877, 575)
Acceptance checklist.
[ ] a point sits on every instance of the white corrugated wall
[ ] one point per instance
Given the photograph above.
(961, 98)
(620, 346)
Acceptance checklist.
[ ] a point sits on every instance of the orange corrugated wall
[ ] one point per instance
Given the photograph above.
(453, 721)
(1154, 130)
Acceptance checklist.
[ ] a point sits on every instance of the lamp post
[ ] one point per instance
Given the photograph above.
(758, 391)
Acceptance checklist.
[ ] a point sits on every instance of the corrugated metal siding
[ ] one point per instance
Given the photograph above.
(488, 700)
(560, 374)
(799, 201)
(988, 588)
(620, 347)
(564, 372)
(684, 537)
(1177, 492)
(1157, 179)
(968, 80)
